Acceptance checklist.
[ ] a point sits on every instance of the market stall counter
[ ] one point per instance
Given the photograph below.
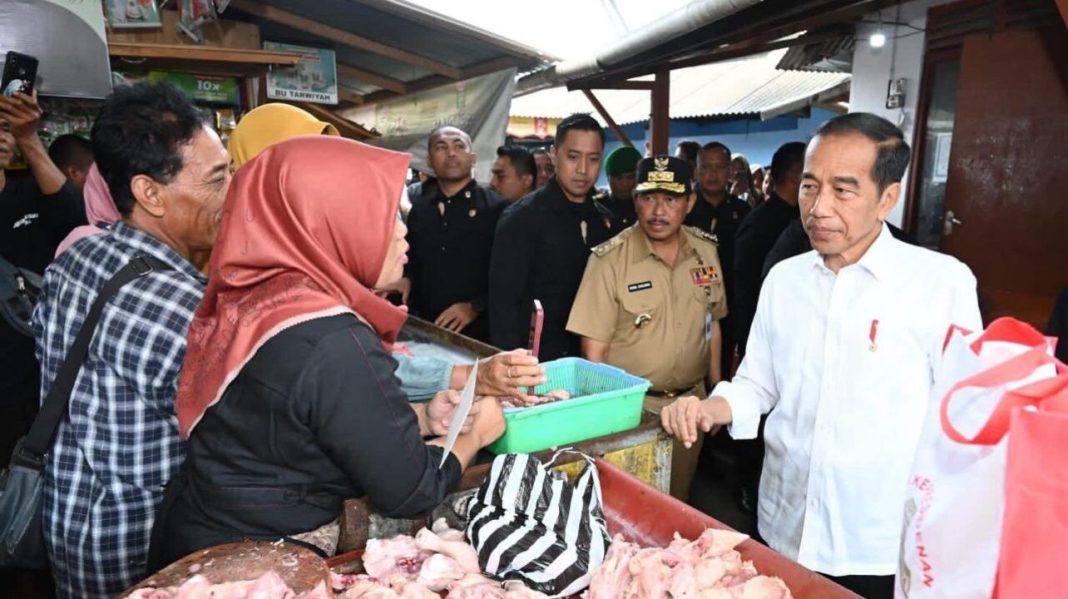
(644, 515)
(635, 511)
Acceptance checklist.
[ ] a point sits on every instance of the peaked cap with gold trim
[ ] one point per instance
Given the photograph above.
(664, 173)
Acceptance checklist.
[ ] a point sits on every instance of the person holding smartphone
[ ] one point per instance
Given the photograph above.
(37, 210)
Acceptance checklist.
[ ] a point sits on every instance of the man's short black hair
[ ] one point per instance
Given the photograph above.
(715, 145)
(579, 121)
(789, 156)
(690, 150)
(892, 152)
(140, 130)
(71, 150)
(437, 130)
(521, 159)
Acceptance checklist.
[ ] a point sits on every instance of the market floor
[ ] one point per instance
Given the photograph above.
(716, 489)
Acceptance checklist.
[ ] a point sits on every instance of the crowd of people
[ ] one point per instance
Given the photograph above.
(244, 384)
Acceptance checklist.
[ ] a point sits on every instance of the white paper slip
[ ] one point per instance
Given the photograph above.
(467, 399)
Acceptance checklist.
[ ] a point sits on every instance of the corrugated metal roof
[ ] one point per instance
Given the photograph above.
(394, 23)
(746, 86)
(834, 55)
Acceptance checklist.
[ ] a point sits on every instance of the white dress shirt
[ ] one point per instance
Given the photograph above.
(847, 398)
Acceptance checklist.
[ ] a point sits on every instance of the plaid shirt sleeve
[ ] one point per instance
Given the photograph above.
(118, 445)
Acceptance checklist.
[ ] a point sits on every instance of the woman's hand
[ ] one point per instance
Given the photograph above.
(508, 374)
(488, 424)
(440, 410)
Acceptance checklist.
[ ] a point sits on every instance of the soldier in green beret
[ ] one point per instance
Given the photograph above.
(619, 197)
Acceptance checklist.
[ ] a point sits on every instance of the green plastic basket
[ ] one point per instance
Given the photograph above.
(604, 400)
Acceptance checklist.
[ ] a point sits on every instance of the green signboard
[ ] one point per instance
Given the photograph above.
(204, 88)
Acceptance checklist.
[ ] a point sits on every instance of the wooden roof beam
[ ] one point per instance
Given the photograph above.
(492, 66)
(616, 129)
(350, 72)
(415, 86)
(270, 13)
(626, 85)
(347, 95)
(344, 126)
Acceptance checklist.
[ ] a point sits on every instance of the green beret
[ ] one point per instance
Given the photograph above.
(622, 160)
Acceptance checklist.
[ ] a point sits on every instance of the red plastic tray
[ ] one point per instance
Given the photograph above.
(644, 515)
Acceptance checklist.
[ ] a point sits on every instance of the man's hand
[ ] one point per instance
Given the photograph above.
(508, 374)
(689, 416)
(457, 316)
(402, 286)
(440, 410)
(23, 115)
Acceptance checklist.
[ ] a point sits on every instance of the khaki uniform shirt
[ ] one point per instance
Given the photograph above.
(657, 319)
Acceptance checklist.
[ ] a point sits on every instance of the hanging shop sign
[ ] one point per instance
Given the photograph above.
(314, 79)
(132, 14)
(217, 90)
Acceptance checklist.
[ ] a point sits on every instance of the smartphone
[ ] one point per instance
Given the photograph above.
(20, 72)
(537, 321)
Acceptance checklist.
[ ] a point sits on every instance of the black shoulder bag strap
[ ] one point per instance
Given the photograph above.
(34, 446)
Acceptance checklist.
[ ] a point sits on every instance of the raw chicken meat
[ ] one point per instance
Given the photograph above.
(442, 529)
(435, 560)
(650, 574)
(344, 581)
(385, 558)
(535, 400)
(439, 571)
(706, 568)
(476, 586)
(464, 554)
(268, 586)
(356, 585)
(365, 587)
(613, 579)
(762, 587)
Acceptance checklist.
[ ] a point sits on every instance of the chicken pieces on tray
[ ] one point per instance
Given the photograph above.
(436, 560)
(706, 568)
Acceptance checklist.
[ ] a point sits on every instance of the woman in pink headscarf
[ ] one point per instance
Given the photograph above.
(287, 394)
(100, 210)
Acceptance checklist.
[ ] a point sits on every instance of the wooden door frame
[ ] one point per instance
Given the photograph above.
(919, 133)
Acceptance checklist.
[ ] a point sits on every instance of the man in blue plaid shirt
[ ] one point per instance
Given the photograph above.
(118, 445)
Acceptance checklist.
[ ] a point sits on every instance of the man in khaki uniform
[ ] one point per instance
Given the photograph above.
(652, 297)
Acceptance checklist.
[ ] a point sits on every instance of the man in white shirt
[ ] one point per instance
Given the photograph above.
(842, 353)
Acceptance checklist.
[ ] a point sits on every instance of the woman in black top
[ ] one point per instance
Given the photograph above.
(287, 393)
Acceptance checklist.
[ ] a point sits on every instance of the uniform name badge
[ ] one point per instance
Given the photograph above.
(708, 326)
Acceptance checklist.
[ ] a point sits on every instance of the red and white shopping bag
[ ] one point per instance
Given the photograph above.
(1034, 538)
(988, 387)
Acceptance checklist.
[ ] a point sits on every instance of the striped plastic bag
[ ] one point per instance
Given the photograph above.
(529, 523)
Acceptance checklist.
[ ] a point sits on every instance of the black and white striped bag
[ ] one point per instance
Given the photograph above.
(530, 523)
